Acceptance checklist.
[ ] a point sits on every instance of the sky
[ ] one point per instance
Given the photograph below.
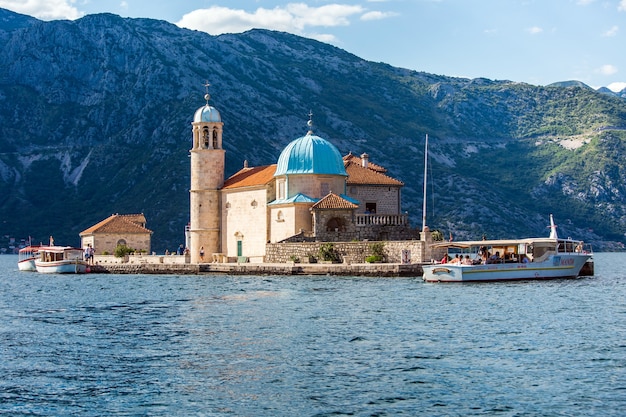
(532, 41)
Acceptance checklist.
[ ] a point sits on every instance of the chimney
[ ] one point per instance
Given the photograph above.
(364, 160)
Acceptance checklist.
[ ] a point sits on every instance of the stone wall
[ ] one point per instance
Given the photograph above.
(370, 270)
(244, 218)
(386, 198)
(350, 252)
(143, 259)
(370, 232)
(107, 242)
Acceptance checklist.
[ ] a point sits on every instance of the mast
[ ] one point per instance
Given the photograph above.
(425, 183)
(553, 234)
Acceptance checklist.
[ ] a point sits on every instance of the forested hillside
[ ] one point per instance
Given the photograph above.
(95, 119)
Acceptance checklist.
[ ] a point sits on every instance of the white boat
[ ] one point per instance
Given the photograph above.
(26, 258)
(60, 260)
(515, 259)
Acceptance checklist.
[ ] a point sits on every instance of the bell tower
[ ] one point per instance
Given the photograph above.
(207, 178)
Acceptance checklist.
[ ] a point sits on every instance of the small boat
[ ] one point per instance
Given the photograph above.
(514, 259)
(26, 259)
(60, 260)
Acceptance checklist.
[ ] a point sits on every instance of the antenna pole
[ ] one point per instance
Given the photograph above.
(425, 183)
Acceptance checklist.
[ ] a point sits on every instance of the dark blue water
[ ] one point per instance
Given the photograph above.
(133, 345)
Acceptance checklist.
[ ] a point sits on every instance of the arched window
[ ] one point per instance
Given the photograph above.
(280, 217)
(215, 139)
(335, 224)
(121, 242)
(205, 137)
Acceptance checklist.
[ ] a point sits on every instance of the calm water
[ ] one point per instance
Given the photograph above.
(133, 345)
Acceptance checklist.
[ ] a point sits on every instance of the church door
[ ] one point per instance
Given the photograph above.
(240, 248)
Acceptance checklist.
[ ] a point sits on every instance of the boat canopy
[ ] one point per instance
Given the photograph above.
(57, 249)
(30, 249)
(464, 244)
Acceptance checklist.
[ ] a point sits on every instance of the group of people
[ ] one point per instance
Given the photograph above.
(483, 257)
(88, 253)
(458, 260)
(180, 251)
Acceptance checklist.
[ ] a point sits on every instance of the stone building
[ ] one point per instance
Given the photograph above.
(312, 192)
(118, 229)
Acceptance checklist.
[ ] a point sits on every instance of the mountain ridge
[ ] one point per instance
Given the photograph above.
(95, 119)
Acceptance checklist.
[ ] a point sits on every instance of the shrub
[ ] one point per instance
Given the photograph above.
(437, 235)
(122, 250)
(327, 253)
(373, 258)
(378, 249)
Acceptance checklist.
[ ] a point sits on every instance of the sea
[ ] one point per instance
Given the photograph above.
(220, 345)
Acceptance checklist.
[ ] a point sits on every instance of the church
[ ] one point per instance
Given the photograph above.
(311, 192)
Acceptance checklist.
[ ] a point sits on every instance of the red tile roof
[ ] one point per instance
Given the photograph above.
(250, 177)
(333, 201)
(358, 161)
(366, 176)
(119, 223)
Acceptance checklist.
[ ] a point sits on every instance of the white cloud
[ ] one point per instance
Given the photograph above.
(611, 32)
(377, 15)
(293, 17)
(607, 69)
(534, 30)
(44, 9)
(322, 37)
(616, 87)
(622, 6)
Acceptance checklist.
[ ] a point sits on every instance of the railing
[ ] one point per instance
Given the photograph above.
(382, 219)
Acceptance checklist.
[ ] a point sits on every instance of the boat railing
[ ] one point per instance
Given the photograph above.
(573, 246)
(381, 220)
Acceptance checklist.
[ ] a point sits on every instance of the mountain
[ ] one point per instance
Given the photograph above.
(604, 90)
(571, 83)
(95, 118)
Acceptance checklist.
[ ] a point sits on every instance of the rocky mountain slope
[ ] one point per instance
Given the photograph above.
(95, 119)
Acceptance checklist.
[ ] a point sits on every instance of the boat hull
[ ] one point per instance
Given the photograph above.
(75, 266)
(27, 257)
(27, 265)
(554, 267)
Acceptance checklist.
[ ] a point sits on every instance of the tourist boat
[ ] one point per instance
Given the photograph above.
(514, 259)
(26, 258)
(60, 260)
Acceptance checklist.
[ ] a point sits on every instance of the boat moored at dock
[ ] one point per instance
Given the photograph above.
(60, 260)
(514, 259)
(27, 257)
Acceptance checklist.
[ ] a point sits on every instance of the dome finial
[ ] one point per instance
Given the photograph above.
(207, 96)
(310, 123)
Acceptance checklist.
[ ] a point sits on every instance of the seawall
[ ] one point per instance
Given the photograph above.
(343, 269)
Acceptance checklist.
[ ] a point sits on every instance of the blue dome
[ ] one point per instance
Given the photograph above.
(310, 154)
(207, 114)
